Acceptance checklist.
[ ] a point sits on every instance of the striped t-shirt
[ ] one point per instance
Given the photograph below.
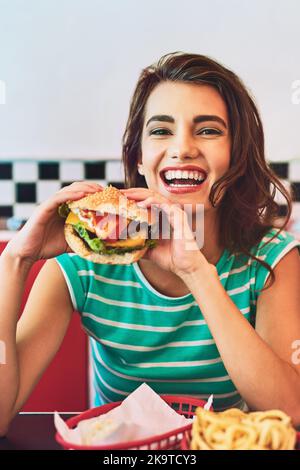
(140, 335)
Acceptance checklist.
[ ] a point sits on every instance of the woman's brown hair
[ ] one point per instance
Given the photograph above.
(248, 209)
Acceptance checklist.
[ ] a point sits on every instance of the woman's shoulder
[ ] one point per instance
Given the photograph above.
(271, 248)
(83, 276)
(275, 243)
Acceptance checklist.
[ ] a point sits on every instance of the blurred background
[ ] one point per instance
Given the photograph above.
(67, 73)
(68, 69)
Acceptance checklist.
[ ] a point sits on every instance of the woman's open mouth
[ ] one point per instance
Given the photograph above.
(177, 181)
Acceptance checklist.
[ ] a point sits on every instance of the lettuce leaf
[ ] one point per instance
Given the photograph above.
(95, 244)
(98, 246)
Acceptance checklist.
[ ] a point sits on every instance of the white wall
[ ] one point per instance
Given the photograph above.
(70, 66)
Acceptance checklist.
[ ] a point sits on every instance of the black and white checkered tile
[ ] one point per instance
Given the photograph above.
(289, 174)
(23, 184)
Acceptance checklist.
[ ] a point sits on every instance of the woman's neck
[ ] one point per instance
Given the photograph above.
(212, 248)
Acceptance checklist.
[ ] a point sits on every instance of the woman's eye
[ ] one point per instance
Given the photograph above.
(158, 131)
(204, 131)
(210, 131)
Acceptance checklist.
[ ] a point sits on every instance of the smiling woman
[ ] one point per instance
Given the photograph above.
(186, 319)
(203, 141)
(215, 125)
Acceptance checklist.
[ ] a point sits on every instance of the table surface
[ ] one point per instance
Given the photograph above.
(36, 431)
(32, 431)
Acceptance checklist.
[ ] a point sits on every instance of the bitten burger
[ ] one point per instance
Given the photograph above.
(108, 228)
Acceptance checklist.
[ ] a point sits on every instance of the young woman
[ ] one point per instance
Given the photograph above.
(188, 320)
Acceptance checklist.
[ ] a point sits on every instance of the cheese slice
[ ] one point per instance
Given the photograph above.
(72, 218)
(128, 243)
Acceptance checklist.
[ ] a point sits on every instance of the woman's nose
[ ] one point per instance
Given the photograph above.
(184, 146)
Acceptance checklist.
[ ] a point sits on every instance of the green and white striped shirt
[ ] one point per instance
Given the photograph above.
(140, 335)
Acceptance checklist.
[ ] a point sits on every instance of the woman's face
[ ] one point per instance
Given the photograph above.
(186, 125)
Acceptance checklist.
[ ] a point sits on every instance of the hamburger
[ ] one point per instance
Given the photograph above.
(108, 228)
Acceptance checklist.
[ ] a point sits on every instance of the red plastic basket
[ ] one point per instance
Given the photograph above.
(185, 443)
(168, 441)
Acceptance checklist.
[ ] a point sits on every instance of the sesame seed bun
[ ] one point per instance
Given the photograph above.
(112, 201)
(109, 200)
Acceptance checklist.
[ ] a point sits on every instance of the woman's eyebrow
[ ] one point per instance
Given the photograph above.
(209, 117)
(196, 120)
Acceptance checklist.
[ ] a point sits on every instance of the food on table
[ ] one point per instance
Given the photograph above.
(108, 228)
(235, 430)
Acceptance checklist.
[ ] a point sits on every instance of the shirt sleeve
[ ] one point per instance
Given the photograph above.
(71, 266)
(271, 251)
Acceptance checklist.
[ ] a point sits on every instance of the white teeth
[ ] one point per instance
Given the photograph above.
(173, 185)
(186, 174)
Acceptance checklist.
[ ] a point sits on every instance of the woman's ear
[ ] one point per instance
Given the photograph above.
(140, 169)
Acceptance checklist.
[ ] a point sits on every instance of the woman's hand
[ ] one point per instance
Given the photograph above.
(42, 236)
(179, 253)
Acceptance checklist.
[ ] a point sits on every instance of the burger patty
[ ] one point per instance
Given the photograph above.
(100, 246)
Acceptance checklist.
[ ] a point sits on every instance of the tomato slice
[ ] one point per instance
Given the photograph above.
(114, 231)
(88, 214)
(99, 218)
(112, 224)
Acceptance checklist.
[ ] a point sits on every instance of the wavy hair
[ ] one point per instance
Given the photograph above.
(248, 208)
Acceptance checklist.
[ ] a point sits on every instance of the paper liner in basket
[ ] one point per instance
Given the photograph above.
(141, 415)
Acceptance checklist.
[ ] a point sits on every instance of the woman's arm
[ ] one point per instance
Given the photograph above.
(258, 362)
(30, 347)
(32, 343)
(13, 274)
